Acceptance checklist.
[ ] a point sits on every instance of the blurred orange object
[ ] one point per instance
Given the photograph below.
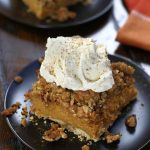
(136, 30)
(131, 4)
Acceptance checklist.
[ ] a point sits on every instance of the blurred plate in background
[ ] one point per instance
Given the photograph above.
(17, 11)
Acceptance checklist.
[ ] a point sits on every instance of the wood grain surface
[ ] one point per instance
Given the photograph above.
(20, 45)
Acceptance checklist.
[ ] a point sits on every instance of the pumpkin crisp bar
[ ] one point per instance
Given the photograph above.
(55, 9)
(85, 113)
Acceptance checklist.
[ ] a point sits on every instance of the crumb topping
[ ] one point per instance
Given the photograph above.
(54, 133)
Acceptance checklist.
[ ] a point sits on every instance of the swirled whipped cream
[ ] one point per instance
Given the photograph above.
(77, 63)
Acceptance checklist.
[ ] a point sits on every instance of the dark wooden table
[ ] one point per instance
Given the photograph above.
(20, 45)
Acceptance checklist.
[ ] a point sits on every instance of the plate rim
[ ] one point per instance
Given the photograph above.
(34, 61)
(59, 26)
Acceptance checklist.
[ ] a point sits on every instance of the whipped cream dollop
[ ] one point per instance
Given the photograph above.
(77, 63)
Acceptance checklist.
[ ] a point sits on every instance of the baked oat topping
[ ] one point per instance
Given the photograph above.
(72, 102)
(54, 133)
(131, 121)
(11, 110)
(18, 79)
(85, 147)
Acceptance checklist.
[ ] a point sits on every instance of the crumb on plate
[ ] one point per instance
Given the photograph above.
(131, 121)
(54, 133)
(18, 79)
(11, 110)
(111, 138)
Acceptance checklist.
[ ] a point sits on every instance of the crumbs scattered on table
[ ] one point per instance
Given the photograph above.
(54, 133)
(18, 79)
(131, 121)
(11, 110)
(85, 147)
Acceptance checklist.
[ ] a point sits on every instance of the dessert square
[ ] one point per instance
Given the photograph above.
(79, 88)
(85, 113)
